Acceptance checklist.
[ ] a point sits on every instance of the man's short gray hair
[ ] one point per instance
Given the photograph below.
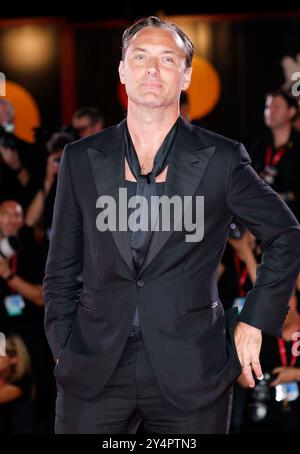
(153, 21)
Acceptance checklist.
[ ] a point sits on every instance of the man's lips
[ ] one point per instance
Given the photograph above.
(151, 84)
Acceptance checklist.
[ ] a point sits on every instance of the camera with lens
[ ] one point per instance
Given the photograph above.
(7, 139)
(9, 246)
(236, 231)
(261, 397)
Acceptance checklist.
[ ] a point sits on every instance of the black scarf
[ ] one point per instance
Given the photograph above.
(146, 187)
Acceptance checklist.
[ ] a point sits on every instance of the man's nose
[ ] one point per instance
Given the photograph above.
(152, 67)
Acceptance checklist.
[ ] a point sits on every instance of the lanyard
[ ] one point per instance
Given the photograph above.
(273, 161)
(241, 274)
(282, 353)
(14, 260)
(13, 265)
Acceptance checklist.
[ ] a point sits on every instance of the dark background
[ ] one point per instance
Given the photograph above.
(248, 44)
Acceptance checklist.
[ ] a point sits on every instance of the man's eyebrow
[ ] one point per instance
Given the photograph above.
(169, 52)
(166, 51)
(140, 49)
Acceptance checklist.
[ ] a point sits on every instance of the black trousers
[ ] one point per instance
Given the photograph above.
(132, 395)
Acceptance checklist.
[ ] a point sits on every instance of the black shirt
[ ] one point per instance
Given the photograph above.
(131, 192)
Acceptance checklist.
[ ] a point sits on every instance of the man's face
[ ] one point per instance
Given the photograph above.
(154, 69)
(85, 126)
(11, 218)
(277, 112)
(5, 115)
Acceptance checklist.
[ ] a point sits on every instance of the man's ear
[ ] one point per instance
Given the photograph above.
(187, 78)
(292, 112)
(121, 72)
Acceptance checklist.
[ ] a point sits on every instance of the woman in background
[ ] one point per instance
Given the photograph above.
(16, 407)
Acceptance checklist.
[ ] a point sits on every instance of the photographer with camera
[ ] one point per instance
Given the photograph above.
(239, 264)
(11, 222)
(41, 206)
(274, 405)
(7, 115)
(19, 162)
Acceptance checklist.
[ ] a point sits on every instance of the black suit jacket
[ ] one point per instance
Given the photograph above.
(91, 289)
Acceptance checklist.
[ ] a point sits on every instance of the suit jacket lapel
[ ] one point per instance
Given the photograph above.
(107, 164)
(189, 160)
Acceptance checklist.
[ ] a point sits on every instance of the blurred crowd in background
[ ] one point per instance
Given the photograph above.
(28, 177)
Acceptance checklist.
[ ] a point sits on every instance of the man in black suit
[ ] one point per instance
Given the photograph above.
(133, 316)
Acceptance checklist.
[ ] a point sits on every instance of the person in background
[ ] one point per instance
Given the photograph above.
(87, 121)
(7, 115)
(20, 161)
(274, 404)
(237, 277)
(16, 388)
(238, 265)
(276, 156)
(11, 276)
(22, 303)
(41, 206)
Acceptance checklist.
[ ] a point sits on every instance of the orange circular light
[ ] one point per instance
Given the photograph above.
(27, 115)
(205, 88)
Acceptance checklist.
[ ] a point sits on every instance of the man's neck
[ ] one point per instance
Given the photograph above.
(281, 135)
(148, 127)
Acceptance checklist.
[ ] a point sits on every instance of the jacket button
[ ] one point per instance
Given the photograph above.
(140, 283)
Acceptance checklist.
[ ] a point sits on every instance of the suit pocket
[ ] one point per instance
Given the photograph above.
(86, 306)
(206, 307)
(65, 345)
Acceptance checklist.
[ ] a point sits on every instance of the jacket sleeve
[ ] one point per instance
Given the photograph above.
(61, 284)
(263, 212)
